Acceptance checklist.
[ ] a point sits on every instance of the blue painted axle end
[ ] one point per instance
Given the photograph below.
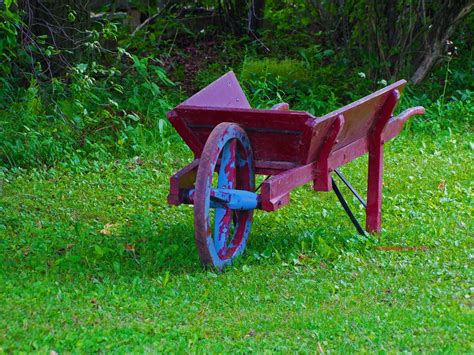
(240, 200)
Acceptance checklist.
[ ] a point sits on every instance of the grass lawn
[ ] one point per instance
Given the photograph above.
(93, 259)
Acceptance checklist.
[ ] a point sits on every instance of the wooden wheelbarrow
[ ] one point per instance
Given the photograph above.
(232, 142)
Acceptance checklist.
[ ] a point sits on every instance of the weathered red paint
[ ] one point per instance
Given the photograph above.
(292, 146)
(215, 244)
(281, 130)
(224, 92)
(395, 124)
(323, 179)
(374, 183)
(230, 168)
(275, 191)
(181, 181)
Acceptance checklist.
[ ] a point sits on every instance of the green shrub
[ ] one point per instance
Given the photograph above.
(114, 102)
(270, 81)
(92, 112)
(306, 84)
(455, 113)
(289, 70)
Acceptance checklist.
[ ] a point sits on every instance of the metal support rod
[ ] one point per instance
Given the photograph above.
(346, 208)
(350, 187)
(260, 185)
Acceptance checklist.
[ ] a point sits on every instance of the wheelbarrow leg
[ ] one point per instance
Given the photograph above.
(374, 188)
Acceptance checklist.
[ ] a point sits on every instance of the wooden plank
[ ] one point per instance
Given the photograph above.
(183, 179)
(277, 187)
(275, 135)
(263, 167)
(247, 118)
(275, 165)
(348, 153)
(186, 134)
(224, 92)
(360, 115)
(268, 146)
(395, 125)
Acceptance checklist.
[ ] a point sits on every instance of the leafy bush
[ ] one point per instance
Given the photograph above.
(444, 115)
(114, 104)
(289, 70)
(94, 110)
(306, 84)
(270, 81)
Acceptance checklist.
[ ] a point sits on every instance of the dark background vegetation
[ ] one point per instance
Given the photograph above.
(84, 80)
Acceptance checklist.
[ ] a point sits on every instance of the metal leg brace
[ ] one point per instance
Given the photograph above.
(344, 204)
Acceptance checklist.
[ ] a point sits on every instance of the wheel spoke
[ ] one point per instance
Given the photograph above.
(222, 223)
(227, 173)
(226, 180)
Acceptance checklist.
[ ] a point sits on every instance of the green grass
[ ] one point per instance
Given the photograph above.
(93, 259)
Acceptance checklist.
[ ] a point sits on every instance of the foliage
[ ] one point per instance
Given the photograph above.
(94, 110)
(440, 114)
(306, 84)
(8, 36)
(402, 37)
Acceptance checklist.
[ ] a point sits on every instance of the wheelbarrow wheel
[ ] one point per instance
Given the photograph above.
(221, 233)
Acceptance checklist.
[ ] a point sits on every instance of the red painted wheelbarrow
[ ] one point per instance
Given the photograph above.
(232, 142)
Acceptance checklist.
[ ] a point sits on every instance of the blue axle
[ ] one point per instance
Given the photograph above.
(229, 198)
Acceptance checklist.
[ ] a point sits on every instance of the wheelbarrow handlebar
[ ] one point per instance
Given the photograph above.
(395, 124)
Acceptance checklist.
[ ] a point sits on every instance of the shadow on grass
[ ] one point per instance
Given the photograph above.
(150, 244)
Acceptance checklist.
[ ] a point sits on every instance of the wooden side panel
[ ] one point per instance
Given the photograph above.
(275, 135)
(269, 120)
(183, 179)
(360, 116)
(348, 153)
(224, 92)
(288, 144)
(185, 132)
(275, 191)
